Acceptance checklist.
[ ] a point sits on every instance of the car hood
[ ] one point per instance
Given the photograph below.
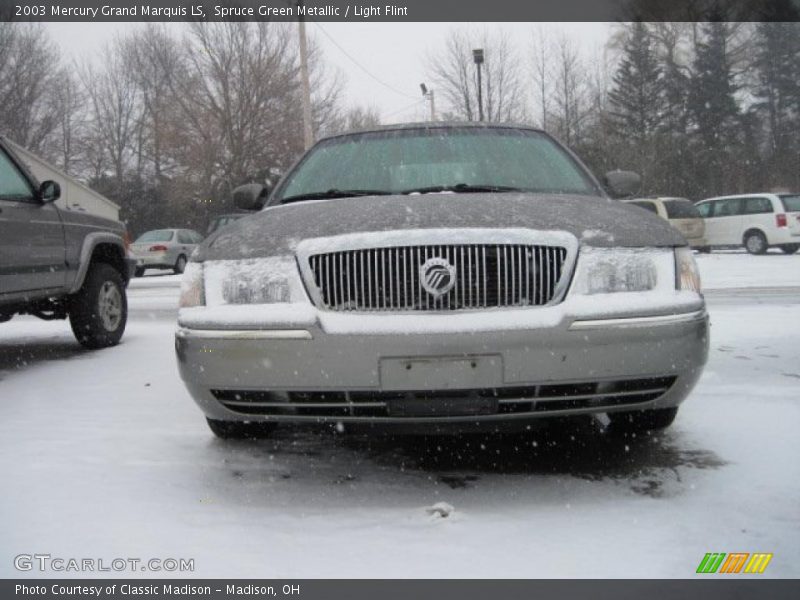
(593, 221)
(85, 218)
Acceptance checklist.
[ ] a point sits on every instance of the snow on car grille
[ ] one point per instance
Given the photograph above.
(513, 400)
(438, 277)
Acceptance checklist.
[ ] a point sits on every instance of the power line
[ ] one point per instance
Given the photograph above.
(359, 65)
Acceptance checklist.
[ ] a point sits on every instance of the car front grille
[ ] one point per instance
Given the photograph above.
(476, 276)
(522, 400)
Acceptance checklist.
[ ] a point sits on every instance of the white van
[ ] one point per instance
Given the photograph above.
(681, 214)
(755, 221)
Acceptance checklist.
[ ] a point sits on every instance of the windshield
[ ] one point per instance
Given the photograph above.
(406, 160)
(158, 235)
(791, 203)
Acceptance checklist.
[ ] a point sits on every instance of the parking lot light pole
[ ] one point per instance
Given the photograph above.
(429, 95)
(477, 56)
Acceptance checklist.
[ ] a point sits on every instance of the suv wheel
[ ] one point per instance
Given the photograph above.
(239, 430)
(180, 265)
(755, 242)
(637, 421)
(139, 272)
(99, 311)
(790, 248)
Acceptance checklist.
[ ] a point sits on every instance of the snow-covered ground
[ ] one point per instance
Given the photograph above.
(104, 455)
(738, 269)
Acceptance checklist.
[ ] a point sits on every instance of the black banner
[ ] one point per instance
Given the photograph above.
(712, 588)
(400, 10)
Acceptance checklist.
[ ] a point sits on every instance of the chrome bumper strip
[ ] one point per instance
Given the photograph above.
(637, 321)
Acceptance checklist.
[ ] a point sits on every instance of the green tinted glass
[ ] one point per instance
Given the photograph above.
(401, 160)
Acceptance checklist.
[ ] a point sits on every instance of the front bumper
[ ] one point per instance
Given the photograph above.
(312, 367)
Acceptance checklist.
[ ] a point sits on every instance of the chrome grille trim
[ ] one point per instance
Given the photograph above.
(472, 252)
(388, 279)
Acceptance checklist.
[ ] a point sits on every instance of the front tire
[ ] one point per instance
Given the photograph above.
(755, 242)
(240, 430)
(640, 421)
(139, 272)
(790, 248)
(704, 249)
(99, 311)
(180, 265)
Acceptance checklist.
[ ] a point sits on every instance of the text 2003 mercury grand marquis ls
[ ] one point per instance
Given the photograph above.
(441, 275)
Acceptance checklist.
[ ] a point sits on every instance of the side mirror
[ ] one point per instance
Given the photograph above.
(623, 184)
(251, 196)
(49, 191)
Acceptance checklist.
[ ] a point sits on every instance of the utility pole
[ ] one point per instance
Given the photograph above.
(429, 95)
(477, 56)
(308, 129)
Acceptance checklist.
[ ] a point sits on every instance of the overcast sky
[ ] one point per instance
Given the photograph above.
(391, 52)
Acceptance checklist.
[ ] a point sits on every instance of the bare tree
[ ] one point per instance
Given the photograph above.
(355, 118)
(69, 138)
(154, 57)
(116, 109)
(570, 92)
(238, 99)
(542, 60)
(454, 75)
(29, 63)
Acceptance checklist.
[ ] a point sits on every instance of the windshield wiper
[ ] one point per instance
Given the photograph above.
(333, 193)
(463, 188)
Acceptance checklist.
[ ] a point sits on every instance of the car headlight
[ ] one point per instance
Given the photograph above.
(270, 280)
(687, 275)
(192, 292)
(613, 270)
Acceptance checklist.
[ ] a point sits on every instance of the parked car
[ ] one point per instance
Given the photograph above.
(58, 262)
(681, 214)
(222, 220)
(755, 221)
(443, 276)
(164, 249)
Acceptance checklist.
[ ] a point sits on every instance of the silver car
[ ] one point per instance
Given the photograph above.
(164, 249)
(441, 276)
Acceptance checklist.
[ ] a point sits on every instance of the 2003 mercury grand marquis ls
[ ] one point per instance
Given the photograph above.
(446, 275)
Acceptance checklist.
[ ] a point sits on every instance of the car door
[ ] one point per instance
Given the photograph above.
(31, 235)
(758, 214)
(728, 215)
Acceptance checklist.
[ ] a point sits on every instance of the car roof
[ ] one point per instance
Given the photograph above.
(654, 198)
(733, 197)
(436, 125)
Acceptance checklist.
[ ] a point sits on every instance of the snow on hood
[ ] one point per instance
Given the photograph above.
(594, 221)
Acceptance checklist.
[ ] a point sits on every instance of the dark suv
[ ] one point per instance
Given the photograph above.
(58, 263)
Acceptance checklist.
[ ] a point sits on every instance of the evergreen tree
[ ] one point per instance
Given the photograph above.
(777, 62)
(637, 98)
(713, 108)
(711, 100)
